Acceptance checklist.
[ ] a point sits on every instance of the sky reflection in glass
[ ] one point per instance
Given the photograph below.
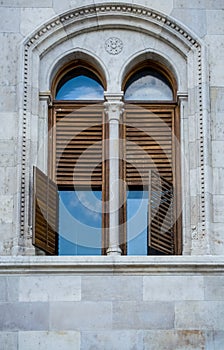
(148, 86)
(80, 88)
(137, 209)
(80, 223)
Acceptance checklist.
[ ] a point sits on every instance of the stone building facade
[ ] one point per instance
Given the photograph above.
(112, 301)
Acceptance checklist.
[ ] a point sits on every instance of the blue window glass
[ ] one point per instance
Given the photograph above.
(137, 222)
(76, 86)
(148, 85)
(80, 222)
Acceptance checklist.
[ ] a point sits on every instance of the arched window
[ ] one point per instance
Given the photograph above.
(81, 166)
(80, 84)
(151, 173)
(76, 152)
(148, 84)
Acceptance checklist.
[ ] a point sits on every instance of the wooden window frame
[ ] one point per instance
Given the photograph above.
(155, 107)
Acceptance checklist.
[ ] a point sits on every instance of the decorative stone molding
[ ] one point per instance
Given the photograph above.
(126, 13)
(113, 46)
(113, 265)
(46, 96)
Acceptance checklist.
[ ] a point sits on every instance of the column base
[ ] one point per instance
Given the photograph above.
(114, 251)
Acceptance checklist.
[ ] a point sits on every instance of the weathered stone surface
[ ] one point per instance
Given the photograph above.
(217, 232)
(173, 288)
(8, 98)
(215, 20)
(215, 44)
(143, 315)
(6, 209)
(7, 153)
(7, 183)
(112, 340)
(214, 288)
(214, 340)
(218, 147)
(195, 19)
(80, 315)
(112, 288)
(218, 207)
(10, 20)
(9, 58)
(24, 316)
(26, 3)
(9, 288)
(8, 126)
(49, 340)
(44, 288)
(208, 4)
(8, 340)
(31, 18)
(199, 315)
(170, 340)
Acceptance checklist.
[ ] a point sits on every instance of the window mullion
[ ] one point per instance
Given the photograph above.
(114, 109)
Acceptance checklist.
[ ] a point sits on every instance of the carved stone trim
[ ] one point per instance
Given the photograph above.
(113, 46)
(113, 265)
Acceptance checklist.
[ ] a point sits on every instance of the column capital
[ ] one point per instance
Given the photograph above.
(182, 96)
(46, 96)
(113, 106)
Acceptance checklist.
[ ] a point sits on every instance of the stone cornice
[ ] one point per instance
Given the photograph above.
(112, 265)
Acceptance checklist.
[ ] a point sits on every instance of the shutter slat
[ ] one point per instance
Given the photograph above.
(148, 145)
(79, 147)
(161, 225)
(45, 213)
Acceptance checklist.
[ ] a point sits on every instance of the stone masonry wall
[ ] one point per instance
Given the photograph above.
(158, 306)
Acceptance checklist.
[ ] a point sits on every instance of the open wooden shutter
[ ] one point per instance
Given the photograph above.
(160, 215)
(148, 143)
(79, 132)
(45, 212)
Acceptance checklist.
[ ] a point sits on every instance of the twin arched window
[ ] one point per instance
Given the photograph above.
(78, 163)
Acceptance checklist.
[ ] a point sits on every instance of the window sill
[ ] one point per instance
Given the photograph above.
(107, 265)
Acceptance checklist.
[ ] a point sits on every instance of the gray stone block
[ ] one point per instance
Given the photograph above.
(195, 19)
(26, 3)
(7, 153)
(199, 315)
(214, 340)
(112, 340)
(174, 340)
(10, 20)
(9, 288)
(143, 315)
(214, 288)
(112, 288)
(49, 340)
(6, 209)
(215, 20)
(53, 288)
(173, 288)
(24, 316)
(8, 340)
(80, 315)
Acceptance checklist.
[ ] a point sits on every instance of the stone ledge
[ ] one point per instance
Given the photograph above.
(128, 265)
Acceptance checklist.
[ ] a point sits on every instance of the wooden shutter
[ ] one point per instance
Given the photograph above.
(160, 215)
(148, 143)
(45, 212)
(79, 145)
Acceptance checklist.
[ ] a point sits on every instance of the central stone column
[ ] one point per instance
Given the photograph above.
(113, 109)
